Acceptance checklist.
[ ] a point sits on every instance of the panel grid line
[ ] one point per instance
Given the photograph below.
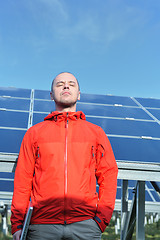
(151, 115)
(30, 118)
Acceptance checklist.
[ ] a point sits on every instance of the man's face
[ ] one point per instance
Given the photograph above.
(65, 91)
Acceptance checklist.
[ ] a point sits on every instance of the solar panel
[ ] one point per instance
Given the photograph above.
(42, 94)
(38, 117)
(132, 125)
(149, 102)
(44, 106)
(15, 92)
(11, 140)
(14, 119)
(107, 99)
(6, 185)
(14, 103)
(113, 111)
(136, 149)
(150, 194)
(155, 195)
(155, 112)
(127, 127)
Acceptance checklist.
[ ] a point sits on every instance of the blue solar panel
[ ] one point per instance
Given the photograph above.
(11, 140)
(149, 102)
(138, 150)
(106, 99)
(127, 127)
(38, 117)
(158, 184)
(14, 119)
(41, 94)
(44, 106)
(6, 182)
(149, 185)
(155, 112)
(118, 194)
(150, 194)
(7, 175)
(13, 103)
(147, 196)
(6, 186)
(156, 196)
(113, 111)
(15, 92)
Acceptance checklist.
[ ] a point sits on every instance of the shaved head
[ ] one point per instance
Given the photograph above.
(65, 92)
(59, 75)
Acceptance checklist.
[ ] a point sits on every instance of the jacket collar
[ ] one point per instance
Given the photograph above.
(60, 116)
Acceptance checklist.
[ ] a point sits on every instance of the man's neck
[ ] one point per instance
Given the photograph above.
(69, 109)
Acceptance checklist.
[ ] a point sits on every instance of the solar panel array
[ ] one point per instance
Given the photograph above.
(132, 124)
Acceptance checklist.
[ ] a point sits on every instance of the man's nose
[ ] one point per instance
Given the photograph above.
(66, 85)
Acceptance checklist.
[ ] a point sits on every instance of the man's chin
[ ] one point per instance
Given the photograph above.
(66, 104)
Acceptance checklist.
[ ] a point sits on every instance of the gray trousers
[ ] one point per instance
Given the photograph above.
(84, 230)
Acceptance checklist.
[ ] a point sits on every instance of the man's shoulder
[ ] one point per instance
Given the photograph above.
(36, 127)
(93, 126)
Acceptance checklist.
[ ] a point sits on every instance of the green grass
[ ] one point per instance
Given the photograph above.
(152, 232)
(109, 233)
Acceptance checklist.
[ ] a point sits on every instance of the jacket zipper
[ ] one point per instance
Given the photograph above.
(92, 152)
(38, 151)
(65, 167)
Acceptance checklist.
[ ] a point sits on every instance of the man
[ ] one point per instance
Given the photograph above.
(59, 162)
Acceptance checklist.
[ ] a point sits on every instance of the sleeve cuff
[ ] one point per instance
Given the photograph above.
(16, 228)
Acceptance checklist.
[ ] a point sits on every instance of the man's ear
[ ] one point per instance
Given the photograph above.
(79, 95)
(51, 94)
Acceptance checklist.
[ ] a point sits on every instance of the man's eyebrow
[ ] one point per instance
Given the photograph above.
(72, 81)
(62, 81)
(59, 81)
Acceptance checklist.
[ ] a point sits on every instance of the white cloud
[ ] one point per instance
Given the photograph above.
(47, 12)
(105, 24)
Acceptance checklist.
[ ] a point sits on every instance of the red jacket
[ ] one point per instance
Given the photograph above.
(59, 162)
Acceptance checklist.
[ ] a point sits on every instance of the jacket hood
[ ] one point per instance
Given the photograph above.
(60, 116)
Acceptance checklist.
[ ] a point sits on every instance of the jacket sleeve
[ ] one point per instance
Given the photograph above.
(22, 183)
(106, 173)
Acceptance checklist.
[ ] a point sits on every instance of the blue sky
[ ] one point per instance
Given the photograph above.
(112, 46)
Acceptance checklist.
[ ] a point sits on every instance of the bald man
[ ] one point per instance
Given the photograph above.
(59, 162)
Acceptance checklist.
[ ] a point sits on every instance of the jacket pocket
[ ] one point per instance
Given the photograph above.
(45, 156)
(100, 151)
(92, 170)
